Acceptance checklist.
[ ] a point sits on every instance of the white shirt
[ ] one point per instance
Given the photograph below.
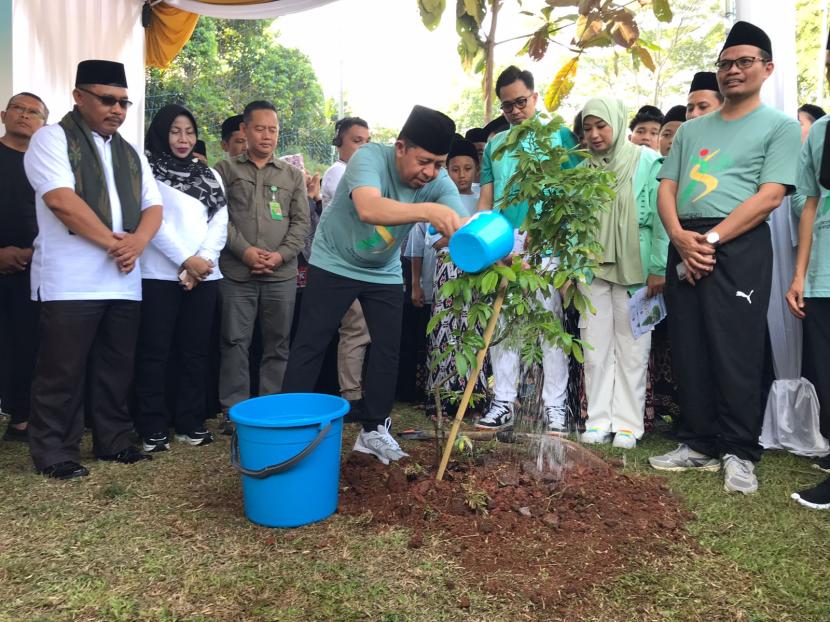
(184, 232)
(67, 266)
(331, 178)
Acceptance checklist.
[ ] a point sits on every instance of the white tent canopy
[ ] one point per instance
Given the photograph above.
(251, 11)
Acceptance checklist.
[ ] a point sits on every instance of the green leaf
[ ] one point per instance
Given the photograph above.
(662, 10)
(505, 272)
(577, 353)
(431, 12)
(461, 364)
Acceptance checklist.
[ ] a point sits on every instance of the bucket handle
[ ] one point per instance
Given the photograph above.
(275, 468)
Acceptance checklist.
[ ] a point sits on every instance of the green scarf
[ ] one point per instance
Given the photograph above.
(90, 181)
(619, 228)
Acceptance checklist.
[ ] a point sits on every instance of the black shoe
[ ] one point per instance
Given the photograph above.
(65, 470)
(356, 411)
(816, 498)
(15, 435)
(823, 464)
(197, 438)
(156, 443)
(130, 455)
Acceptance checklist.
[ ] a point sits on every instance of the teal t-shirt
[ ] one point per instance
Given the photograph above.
(357, 250)
(719, 164)
(817, 281)
(499, 172)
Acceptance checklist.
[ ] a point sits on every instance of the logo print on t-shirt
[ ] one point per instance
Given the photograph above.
(380, 238)
(702, 173)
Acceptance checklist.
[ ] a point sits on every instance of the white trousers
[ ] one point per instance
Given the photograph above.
(616, 368)
(506, 365)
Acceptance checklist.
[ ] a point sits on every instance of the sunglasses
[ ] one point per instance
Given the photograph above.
(519, 102)
(108, 100)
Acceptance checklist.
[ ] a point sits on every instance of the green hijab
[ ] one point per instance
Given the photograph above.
(619, 228)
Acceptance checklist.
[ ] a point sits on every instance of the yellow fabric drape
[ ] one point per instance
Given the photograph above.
(170, 29)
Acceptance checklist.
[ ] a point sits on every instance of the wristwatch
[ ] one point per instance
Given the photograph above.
(713, 238)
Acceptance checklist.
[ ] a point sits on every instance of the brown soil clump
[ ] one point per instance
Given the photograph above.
(518, 531)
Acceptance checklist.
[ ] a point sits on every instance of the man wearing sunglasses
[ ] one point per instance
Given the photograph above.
(515, 90)
(24, 115)
(726, 172)
(97, 207)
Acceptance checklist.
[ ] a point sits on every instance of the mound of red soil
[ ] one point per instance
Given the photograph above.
(516, 530)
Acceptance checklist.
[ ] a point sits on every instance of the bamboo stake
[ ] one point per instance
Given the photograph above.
(471, 381)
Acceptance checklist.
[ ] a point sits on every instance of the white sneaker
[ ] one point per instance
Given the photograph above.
(380, 444)
(556, 421)
(595, 436)
(623, 439)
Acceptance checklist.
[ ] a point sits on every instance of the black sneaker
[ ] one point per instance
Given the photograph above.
(196, 438)
(129, 455)
(823, 464)
(499, 417)
(156, 443)
(16, 436)
(816, 498)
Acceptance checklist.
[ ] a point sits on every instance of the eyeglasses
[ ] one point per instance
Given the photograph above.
(108, 100)
(32, 112)
(519, 102)
(744, 62)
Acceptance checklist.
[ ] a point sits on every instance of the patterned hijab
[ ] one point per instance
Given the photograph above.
(187, 174)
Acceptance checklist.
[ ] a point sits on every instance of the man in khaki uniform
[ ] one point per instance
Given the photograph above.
(267, 224)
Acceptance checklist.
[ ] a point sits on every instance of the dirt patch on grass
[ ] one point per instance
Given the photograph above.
(521, 532)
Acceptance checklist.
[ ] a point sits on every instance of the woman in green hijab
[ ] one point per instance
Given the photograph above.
(635, 247)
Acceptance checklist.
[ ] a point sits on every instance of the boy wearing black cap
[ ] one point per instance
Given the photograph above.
(726, 172)
(356, 256)
(97, 208)
(704, 96)
(671, 123)
(645, 127)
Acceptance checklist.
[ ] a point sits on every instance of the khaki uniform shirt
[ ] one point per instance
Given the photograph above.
(251, 193)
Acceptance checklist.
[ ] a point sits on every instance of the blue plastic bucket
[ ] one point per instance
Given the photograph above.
(287, 448)
(482, 241)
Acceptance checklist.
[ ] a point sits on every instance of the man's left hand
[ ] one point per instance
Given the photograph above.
(270, 261)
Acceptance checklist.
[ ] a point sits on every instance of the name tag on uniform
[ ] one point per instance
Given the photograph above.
(274, 205)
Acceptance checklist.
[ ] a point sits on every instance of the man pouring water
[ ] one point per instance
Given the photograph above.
(356, 256)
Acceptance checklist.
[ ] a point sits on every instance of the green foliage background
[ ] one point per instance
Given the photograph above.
(228, 63)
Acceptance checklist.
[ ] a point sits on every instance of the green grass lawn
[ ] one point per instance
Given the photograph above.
(167, 540)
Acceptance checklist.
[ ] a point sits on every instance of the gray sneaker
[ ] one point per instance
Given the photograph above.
(380, 444)
(684, 459)
(739, 475)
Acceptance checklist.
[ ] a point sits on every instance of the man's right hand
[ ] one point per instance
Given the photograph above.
(198, 268)
(417, 295)
(795, 297)
(695, 251)
(443, 218)
(252, 257)
(14, 259)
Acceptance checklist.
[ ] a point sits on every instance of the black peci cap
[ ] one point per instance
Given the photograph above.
(744, 33)
(499, 124)
(675, 113)
(106, 72)
(704, 81)
(476, 135)
(462, 147)
(429, 129)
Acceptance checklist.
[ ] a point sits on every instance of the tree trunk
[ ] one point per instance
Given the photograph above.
(489, 46)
